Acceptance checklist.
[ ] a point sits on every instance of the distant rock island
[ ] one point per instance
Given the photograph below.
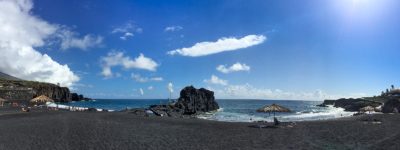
(387, 102)
(18, 90)
(191, 102)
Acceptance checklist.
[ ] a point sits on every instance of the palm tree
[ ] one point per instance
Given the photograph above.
(392, 87)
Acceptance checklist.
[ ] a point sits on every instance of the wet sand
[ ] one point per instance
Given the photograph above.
(55, 130)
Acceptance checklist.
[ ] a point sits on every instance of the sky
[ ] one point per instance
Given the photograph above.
(240, 49)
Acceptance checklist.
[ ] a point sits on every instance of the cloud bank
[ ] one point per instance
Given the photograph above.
(127, 30)
(70, 39)
(215, 80)
(173, 28)
(119, 59)
(139, 78)
(221, 45)
(234, 68)
(21, 32)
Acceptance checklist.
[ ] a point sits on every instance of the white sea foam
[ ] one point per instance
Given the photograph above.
(70, 108)
(328, 113)
(231, 117)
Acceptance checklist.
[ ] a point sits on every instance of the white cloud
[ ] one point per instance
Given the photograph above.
(127, 30)
(170, 87)
(173, 28)
(118, 59)
(215, 80)
(235, 67)
(70, 39)
(126, 35)
(221, 45)
(150, 88)
(21, 32)
(139, 78)
(141, 91)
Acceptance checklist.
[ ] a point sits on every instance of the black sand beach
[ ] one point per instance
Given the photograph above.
(120, 130)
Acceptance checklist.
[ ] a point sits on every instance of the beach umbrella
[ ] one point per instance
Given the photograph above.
(273, 108)
(42, 99)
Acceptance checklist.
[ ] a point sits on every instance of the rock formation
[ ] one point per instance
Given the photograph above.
(391, 106)
(351, 104)
(355, 104)
(77, 97)
(193, 101)
(327, 102)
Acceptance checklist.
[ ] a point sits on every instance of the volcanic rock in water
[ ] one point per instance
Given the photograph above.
(194, 101)
(327, 102)
(391, 106)
(355, 104)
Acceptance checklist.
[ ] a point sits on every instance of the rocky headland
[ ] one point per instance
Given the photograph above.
(387, 102)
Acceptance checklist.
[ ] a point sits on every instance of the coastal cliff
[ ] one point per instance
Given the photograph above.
(15, 89)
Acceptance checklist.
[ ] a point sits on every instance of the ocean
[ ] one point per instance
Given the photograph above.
(233, 110)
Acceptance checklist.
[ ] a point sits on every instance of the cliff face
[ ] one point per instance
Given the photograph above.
(58, 94)
(21, 90)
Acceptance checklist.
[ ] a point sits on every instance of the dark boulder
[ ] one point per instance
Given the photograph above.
(195, 101)
(74, 97)
(391, 106)
(355, 104)
(166, 110)
(138, 111)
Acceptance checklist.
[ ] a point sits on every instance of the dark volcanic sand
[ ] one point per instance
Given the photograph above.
(101, 130)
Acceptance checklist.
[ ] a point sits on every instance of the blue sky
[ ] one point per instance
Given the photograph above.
(308, 49)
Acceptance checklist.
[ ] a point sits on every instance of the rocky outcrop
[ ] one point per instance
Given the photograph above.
(355, 104)
(166, 110)
(194, 101)
(326, 103)
(391, 106)
(77, 97)
(191, 102)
